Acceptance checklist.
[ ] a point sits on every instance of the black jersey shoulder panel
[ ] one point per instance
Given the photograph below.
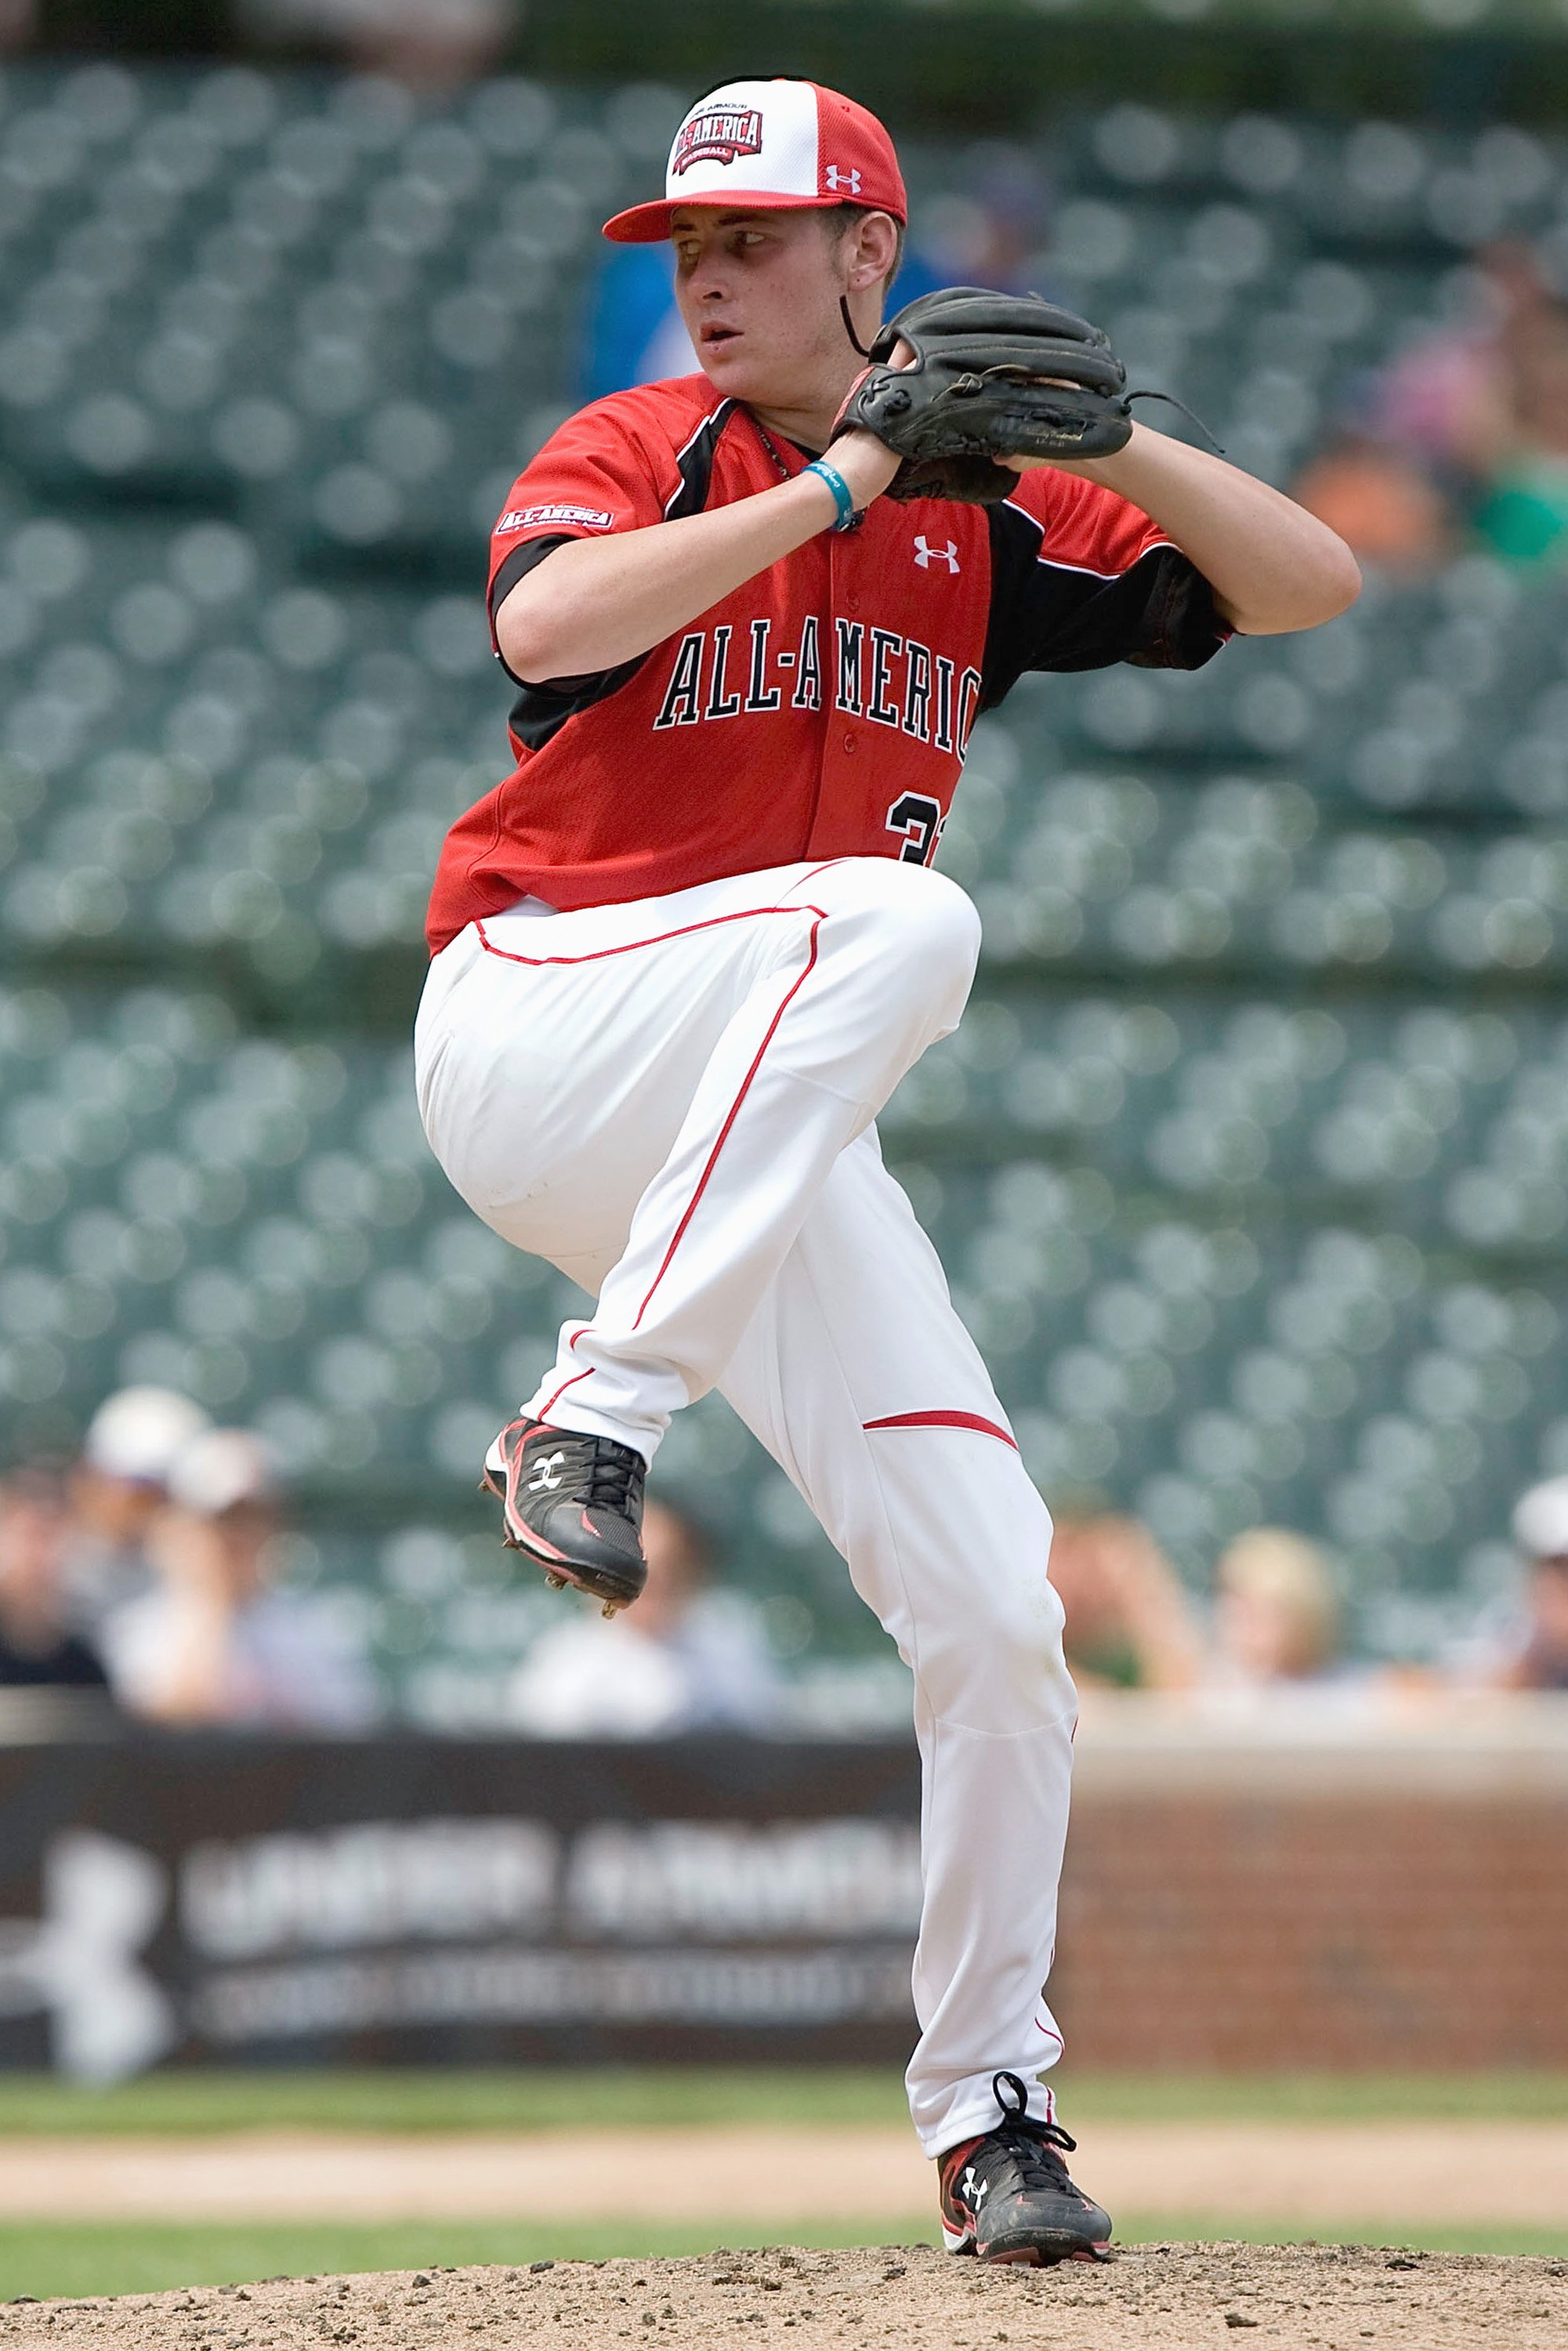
(1158, 614)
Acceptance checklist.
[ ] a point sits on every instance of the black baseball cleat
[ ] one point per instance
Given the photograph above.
(574, 1503)
(1008, 2197)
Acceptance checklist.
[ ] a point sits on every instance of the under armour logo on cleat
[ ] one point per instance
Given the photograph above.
(974, 2188)
(925, 555)
(547, 1474)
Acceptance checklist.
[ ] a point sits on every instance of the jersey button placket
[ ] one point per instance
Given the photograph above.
(844, 557)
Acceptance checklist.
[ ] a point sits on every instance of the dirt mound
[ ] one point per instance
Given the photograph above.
(1149, 2298)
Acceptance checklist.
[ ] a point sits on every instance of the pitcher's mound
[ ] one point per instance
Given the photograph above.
(1149, 2298)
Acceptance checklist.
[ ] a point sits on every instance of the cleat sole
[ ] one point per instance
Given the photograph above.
(1043, 2257)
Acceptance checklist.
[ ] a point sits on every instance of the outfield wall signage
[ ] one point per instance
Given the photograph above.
(198, 1900)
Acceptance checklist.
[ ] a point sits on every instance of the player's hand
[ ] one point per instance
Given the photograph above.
(867, 464)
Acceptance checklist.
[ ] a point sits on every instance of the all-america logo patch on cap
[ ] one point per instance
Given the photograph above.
(762, 146)
(718, 134)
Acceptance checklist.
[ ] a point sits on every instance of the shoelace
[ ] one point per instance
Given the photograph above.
(612, 1470)
(1033, 2144)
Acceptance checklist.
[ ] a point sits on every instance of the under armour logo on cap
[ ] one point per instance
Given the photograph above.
(764, 146)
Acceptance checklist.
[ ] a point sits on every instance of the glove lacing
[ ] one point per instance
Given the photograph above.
(1192, 417)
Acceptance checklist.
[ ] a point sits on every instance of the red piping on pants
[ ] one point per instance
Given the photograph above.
(733, 1112)
(943, 1420)
(543, 1411)
(660, 939)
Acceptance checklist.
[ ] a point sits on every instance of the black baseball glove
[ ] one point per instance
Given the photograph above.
(994, 375)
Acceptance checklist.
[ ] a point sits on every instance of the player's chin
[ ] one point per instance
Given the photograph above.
(739, 371)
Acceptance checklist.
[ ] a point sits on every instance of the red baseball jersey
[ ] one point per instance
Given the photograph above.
(820, 711)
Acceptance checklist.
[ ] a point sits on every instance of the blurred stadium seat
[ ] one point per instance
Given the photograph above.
(1250, 1162)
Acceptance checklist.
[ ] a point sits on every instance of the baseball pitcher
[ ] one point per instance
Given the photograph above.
(684, 952)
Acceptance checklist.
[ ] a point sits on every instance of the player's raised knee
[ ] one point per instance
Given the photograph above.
(927, 922)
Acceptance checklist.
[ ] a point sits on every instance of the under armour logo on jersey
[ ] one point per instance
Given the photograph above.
(547, 1474)
(925, 555)
(846, 184)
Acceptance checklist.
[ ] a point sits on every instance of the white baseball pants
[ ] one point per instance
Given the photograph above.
(672, 1101)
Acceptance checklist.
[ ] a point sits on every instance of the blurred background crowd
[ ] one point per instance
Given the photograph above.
(1250, 1161)
(151, 1576)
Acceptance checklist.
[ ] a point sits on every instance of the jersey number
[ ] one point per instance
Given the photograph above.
(920, 821)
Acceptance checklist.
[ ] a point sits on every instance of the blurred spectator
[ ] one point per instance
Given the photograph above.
(1129, 1623)
(1444, 399)
(118, 1488)
(1388, 513)
(214, 1643)
(1481, 412)
(1524, 515)
(1540, 1531)
(998, 232)
(36, 1646)
(429, 44)
(1277, 1614)
(683, 1659)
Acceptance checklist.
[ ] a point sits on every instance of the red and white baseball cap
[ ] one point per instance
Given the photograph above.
(771, 146)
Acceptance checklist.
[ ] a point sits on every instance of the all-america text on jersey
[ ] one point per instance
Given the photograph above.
(878, 674)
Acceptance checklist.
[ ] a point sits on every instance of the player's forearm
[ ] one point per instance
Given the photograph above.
(1272, 566)
(596, 603)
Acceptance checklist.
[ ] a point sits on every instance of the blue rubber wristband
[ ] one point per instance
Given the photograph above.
(843, 498)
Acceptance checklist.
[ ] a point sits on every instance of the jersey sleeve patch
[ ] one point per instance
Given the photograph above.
(597, 473)
(555, 517)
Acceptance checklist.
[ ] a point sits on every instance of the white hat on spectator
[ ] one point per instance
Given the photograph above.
(220, 1469)
(1541, 1520)
(136, 1433)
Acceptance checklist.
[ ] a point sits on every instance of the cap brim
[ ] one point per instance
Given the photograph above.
(649, 224)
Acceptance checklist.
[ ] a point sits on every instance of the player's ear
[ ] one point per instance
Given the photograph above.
(873, 250)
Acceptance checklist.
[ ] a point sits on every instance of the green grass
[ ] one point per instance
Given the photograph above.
(528, 2099)
(1514, 2096)
(74, 2260)
(441, 2100)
